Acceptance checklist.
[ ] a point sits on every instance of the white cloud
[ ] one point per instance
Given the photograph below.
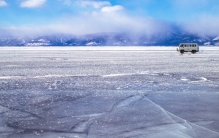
(119, 22)
(203, 25)
(97, 21)
(95, 4)
(3, 3)
(105, 18)
(112, 8)
(21, 31)
(32, 3)
(108, 22)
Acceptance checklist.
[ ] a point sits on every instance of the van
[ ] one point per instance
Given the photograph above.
(188, 47)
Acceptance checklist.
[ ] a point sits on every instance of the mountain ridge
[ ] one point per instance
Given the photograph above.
(110, 39)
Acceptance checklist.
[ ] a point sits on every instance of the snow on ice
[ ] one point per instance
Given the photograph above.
(108, 92)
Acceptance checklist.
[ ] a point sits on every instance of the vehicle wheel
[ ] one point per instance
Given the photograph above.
(193, 51)
(181, 51)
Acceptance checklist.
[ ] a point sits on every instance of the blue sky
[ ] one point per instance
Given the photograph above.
(91, 16)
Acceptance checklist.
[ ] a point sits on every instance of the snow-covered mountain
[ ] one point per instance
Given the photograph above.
(216, 41)
(109, 39)
(14, 41)
(50, 40)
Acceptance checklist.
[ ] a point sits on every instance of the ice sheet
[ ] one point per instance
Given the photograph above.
(109, 92)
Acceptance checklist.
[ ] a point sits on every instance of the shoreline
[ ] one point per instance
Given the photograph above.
(103, 48)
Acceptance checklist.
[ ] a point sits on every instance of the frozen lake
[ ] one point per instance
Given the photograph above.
(108, 92)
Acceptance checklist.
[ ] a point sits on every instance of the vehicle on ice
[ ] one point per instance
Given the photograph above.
(188, 47)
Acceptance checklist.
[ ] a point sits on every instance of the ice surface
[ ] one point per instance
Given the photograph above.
(108, 92)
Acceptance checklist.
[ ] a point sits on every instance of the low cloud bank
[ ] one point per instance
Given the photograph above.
(97, 22)
(105, 17)
(104, 21)
(204, 26)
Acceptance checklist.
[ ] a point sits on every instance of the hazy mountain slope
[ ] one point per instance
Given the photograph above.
(109, 39)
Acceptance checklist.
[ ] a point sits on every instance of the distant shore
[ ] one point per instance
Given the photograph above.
(106, 48)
